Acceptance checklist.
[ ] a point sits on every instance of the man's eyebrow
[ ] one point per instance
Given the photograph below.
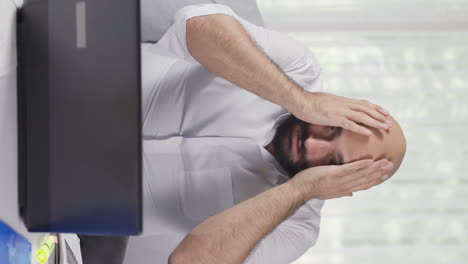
(338, 131)
(340, 158)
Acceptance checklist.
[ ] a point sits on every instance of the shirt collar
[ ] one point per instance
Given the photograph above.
(279, 174)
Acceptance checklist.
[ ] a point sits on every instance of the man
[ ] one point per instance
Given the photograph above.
(223, 156)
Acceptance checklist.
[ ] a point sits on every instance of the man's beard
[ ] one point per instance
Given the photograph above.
(282, 146)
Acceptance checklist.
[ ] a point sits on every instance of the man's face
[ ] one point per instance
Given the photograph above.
(298, 145)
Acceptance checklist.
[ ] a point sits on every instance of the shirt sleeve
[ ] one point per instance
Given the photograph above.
(291, 56)
(291, 239)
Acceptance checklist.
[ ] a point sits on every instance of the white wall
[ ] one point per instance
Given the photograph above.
(344, 15)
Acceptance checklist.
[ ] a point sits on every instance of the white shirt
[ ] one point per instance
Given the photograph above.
(204, 139)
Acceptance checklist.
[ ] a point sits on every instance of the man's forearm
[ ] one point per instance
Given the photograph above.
(221, 44)
(230, 236)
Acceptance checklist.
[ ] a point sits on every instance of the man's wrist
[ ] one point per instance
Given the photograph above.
(294, 100)
(302, 192)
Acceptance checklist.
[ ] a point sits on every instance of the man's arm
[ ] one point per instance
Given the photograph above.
(221, 44)
(230, 236)
(291, 238)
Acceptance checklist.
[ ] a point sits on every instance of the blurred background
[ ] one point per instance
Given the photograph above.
(410, 57)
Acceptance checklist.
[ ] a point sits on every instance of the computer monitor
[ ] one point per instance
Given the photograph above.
(79, 116)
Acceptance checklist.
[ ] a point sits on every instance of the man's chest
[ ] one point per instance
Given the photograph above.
(188, 180)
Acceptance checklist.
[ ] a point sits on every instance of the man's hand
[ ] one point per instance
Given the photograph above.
(328, 182)
(331, 110)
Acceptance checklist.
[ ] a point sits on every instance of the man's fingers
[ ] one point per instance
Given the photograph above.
(367, 185)
(352, 126)
(352, 167)
(374, 173)
(373, 106)
(382, 166)
(363, 118)
(383, 110)
(350, 178)
(376, 179)
(373, 113)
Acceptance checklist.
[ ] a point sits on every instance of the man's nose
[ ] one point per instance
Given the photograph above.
(316, 147)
